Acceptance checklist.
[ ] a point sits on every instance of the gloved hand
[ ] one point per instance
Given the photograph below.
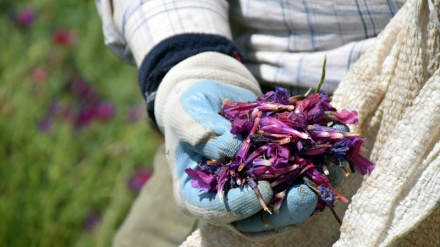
(186, 109)
(187, 105)
(299, 204)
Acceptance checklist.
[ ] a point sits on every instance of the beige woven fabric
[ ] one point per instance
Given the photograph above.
(395, 86)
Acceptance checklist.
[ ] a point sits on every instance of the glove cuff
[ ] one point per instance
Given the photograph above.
(204, 66)
(172, 51)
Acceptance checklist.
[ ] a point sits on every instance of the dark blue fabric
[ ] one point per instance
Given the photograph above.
(172, 51)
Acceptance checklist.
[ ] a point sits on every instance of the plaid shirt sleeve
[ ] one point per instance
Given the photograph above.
(133, 28)
(283, 42)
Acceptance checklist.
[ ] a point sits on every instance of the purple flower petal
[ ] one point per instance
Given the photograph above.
(269, 172)
(321, 99)
(255, 154)
(280, 95)
(262, 162)
(241, 125)
(292, 119)
(267, 97)
(202, 180)
(238, 109)
(222, 180)
(326, 195)
(284, 137)
(278, 200)
(316, 114)
(341, 147)
(361, 164)
(280, 154)
(321, 179)
(272, 125)
(344, 116)
(318, 177)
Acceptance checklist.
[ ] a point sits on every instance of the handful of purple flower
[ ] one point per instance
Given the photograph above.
(286, 140)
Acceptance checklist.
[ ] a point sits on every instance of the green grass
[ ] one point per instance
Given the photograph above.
(50, 181)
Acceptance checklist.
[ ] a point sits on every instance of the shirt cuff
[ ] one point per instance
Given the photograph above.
(172, 51)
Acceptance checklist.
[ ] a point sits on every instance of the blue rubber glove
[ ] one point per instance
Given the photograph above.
(202, 103)
(299, 204)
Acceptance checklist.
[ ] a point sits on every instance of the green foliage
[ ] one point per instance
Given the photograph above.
(52, 179)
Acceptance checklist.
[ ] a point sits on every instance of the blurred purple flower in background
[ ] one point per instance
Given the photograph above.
(80, 88)
(92, 221)
(86, 115)
(45, 125)
(105, 110)
(23, 18)
(55, 108)
(64, 37)
(81, 104)
(88, 103)
(138, 179)
(134, 113)
(39, 75)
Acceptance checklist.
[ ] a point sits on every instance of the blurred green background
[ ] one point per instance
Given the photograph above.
(75, 146)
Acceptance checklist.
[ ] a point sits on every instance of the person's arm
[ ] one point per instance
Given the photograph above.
(188, 67)
(156, 35)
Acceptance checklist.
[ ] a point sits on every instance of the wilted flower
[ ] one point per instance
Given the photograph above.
(360, 163)
(326, 195)
(344, 116)
(205, 176)
(241, 125)
(286, 141)
(280, 95)
(274, 126)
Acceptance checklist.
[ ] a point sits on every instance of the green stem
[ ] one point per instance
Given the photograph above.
(322, 75)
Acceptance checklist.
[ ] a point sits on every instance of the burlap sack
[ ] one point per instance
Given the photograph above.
(395, 87)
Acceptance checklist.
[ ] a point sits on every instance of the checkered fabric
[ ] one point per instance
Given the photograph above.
(284, 42)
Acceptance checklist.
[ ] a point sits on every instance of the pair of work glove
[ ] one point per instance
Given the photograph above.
(187, 108)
